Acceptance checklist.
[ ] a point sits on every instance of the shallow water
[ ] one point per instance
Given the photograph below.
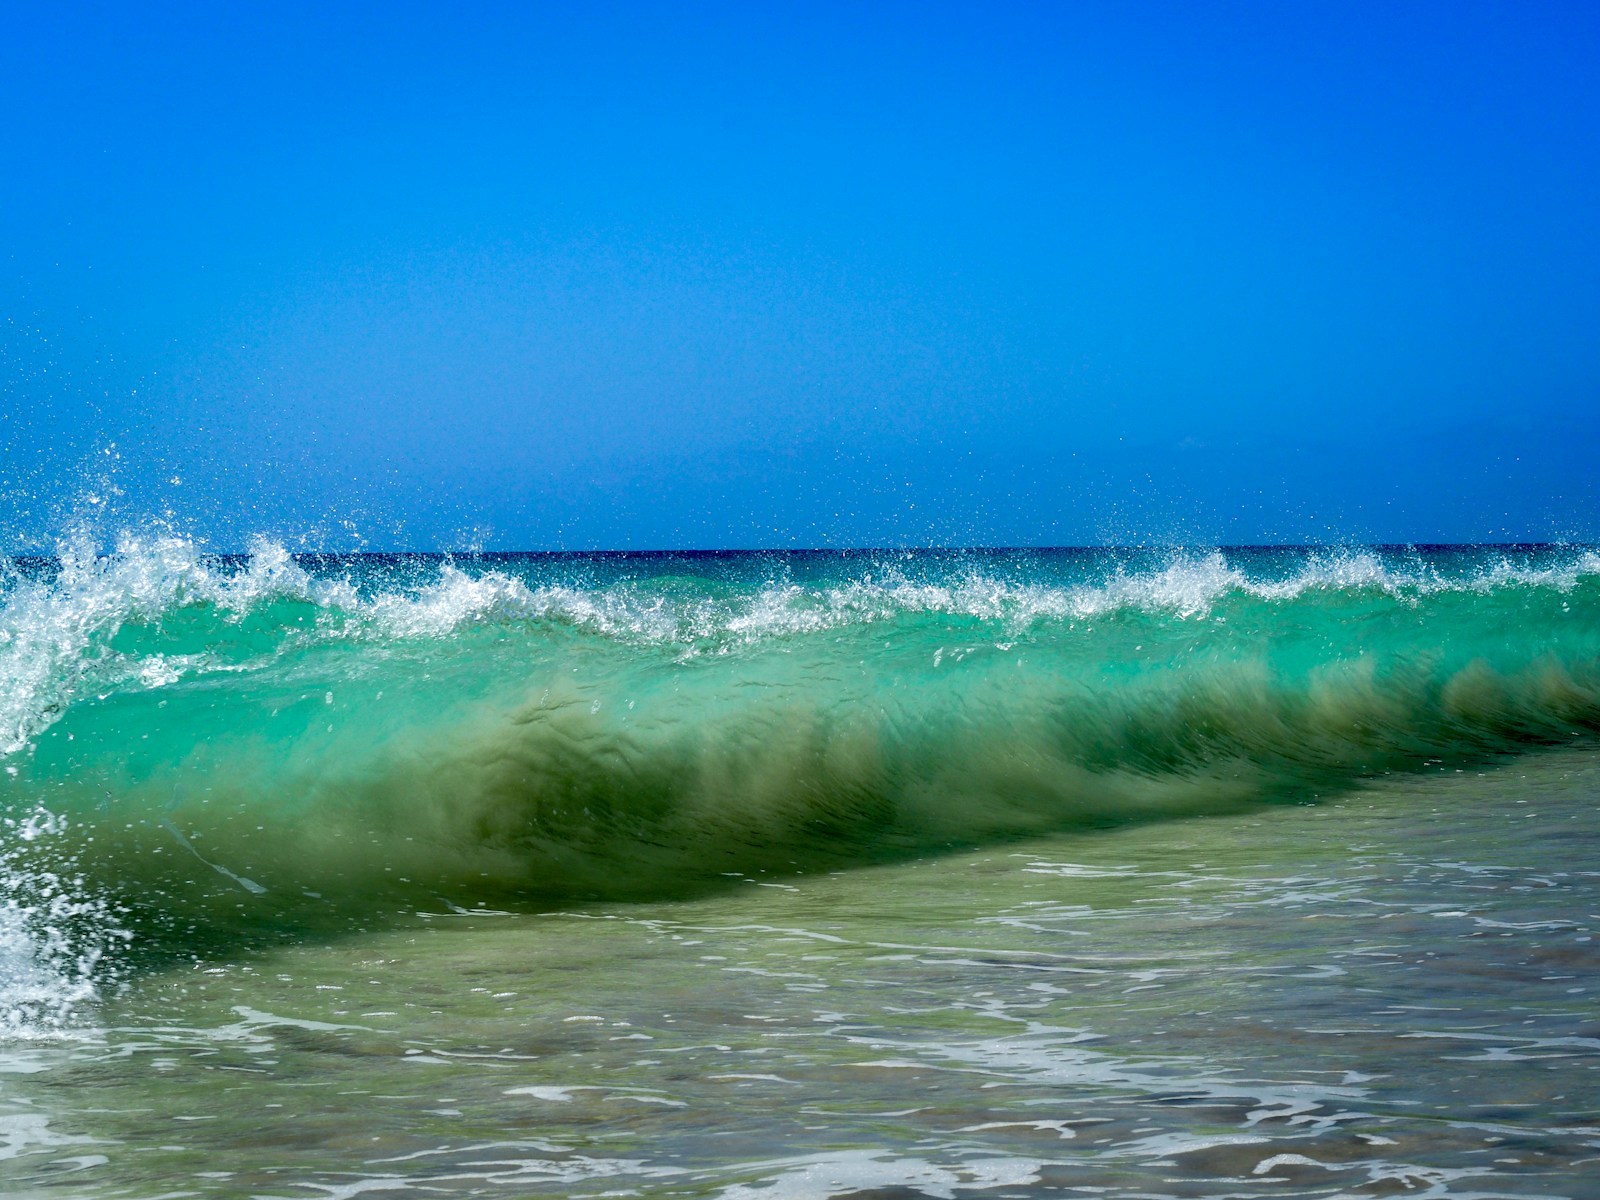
(1389, 993)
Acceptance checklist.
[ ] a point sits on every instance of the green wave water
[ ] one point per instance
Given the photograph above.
(200, 749)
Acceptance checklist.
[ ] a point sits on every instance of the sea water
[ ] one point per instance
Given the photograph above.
(879, 874)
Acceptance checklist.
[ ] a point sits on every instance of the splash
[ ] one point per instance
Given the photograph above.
(58, 940)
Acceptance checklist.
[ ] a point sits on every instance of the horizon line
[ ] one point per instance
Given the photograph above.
(702, 552)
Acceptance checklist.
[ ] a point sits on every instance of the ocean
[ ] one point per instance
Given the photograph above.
(778, 876)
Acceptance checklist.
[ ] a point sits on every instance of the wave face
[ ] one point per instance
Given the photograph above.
(195, 747)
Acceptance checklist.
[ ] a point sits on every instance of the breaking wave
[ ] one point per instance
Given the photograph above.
(217, 745)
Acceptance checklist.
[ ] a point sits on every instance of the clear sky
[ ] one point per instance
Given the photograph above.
(739, 275)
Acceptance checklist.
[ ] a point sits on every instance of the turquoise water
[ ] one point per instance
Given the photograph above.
(1002, 873)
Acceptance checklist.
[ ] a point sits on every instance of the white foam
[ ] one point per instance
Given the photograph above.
(54, 936)
(55, 637)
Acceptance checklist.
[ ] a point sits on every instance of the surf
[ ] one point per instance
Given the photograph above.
(225, 747)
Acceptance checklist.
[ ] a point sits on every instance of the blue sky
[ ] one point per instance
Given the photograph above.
(532, 276)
